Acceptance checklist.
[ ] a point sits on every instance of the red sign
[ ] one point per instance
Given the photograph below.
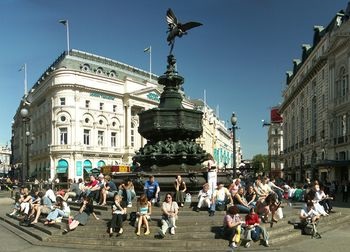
(275, 116)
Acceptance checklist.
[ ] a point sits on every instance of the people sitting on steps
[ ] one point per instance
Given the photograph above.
(108, 190)
(180, 189)
(152, 189)
(232, 226)
(118, 213)
(144, 210)
(250, 196)
(253, 230)
(204, 198)
(220, 199)
(240, 201)
(127, 190)
(170, 211)
(86, 209)
(60, 209)
(73, 192)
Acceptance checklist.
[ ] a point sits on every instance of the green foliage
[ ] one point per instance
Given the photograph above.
(260, 163)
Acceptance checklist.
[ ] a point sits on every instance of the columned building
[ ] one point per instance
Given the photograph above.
(82, 114)
(316, 106)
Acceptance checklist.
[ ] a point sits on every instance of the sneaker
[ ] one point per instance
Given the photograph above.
(266, 243)
(247, 245)
(160, 235)
(129, 205)
(233, 245)
(172, 231)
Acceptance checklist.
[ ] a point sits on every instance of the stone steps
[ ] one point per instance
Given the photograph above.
(195, 232)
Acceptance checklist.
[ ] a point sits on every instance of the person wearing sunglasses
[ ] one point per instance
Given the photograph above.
(170, 210)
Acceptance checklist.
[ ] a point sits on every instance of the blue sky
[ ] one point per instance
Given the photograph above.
(239, 55)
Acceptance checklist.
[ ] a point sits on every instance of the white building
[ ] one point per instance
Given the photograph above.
(316, 106)
(5, 156)
(83, 114)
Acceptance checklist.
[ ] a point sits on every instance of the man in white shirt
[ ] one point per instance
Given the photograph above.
(50, 194)
(221, 197)
(309, 213)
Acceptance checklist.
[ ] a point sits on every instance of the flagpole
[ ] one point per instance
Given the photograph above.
(150, 63)
(25, 80)
(66, 24)
(67, 28)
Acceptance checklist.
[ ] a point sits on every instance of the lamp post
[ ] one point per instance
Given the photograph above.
(25, 119)
(234, 127)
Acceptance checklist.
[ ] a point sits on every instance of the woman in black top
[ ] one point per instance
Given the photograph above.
(180, 189)
(86, 209)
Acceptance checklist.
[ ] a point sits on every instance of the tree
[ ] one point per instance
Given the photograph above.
(260, 163)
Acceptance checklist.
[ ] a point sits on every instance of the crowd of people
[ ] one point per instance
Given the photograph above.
(247, 205)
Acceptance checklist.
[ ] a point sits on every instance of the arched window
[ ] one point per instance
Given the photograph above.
(87, 166)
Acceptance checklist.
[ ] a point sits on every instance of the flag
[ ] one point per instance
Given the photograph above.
(64, 22)
(148, 49)
(21, 69)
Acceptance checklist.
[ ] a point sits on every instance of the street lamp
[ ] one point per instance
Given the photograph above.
(25, 119)
(234, 127)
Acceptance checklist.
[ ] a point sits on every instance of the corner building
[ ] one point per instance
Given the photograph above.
(83, 114)
(316, 107)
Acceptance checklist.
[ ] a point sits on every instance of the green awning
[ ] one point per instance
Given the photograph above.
(88, 169)
(87, 164)
(62, 166)
(100, 163)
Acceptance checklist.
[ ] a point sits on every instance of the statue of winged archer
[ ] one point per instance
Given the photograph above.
(177, 29)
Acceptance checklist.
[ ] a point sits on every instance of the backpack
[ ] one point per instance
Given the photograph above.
(310, 229)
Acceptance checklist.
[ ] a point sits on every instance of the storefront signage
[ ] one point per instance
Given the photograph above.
(103, 96)
(153, 96)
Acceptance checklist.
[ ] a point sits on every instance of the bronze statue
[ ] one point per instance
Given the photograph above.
(176, 29)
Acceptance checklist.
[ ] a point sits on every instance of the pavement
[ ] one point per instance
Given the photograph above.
(337, 240)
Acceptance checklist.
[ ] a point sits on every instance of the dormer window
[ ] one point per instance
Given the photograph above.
(85, 68)
(99, 70)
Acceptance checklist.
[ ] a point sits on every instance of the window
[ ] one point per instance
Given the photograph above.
(132, 134)
(63, 136)
(101, 105)
(85, 68)
(62, 101)
(114, 108)
(100, 135)
(313, 116)
(86, 137)
(113, 139)
(302, 123)
(87, 104)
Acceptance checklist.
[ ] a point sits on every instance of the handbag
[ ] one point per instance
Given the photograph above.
(188, 198)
